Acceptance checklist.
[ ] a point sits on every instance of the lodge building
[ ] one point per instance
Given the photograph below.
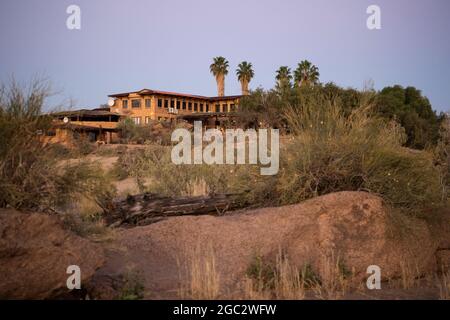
(146, 105)
(143, 107)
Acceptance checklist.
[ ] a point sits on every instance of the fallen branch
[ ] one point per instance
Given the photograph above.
(149, 208)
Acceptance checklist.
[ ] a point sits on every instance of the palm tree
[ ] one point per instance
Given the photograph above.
(245, 74)
(283, 78)
(306, 73)
(219, 68)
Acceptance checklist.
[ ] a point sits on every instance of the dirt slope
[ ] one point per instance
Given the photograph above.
(351, 226)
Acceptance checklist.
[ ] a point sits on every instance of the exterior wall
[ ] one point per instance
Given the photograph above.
(66, 137)
(62, 136)
(160, 110)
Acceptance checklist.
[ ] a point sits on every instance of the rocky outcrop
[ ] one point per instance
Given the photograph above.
(352, 228)
(35, 251)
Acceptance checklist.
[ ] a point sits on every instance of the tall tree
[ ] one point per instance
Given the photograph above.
(283, 78)
(306, 73)
(219, 68)
(245, 74)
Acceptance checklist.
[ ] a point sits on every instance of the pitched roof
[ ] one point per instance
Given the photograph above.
(176, 94)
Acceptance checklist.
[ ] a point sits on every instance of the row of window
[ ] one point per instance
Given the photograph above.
(137, 120)
(181, 105)
(136, 103)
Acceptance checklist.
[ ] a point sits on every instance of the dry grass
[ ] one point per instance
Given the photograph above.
(410, 275)
(444, 287)
(84, 217)
(253, 289)
(289, 280)
(335, 278)
(282, 281)
(203, 279)
(285, 282)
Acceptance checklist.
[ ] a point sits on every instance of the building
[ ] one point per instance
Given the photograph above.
(146, 105)
(98, 125)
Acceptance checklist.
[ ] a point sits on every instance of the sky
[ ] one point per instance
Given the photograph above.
(168, 45)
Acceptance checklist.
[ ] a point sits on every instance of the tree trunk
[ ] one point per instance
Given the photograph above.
(148, 208)
(244, 87)
(220, 85)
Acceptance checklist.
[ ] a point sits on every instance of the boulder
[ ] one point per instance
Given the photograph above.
(35, 251)
(352, 229)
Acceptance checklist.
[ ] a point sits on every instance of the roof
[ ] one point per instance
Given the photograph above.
(84, 112)
(225, 98)
(176, 94)
(103, 125)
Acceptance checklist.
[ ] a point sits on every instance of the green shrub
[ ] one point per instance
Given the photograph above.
(83, 178)
(152, 132)
(265, 273)
(332, 152)
(133, 287)
(262, 272)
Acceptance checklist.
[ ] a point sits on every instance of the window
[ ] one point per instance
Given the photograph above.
(184, 105)
(124, 104)
(190, 106)
(232, 107)
(178, 104)
(217, 107)
(148, 103)
(224, 108)
(166, 103)
(147, 120)
(172, 103)
(136, 120)
(135, 103)
(207, 108)
(196, 107)
(201, 107)
(159, 103)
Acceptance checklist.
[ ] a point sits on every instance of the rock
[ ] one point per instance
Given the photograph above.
(35, 251)
(353, 228)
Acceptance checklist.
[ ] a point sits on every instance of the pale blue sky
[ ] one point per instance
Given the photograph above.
(169, 45)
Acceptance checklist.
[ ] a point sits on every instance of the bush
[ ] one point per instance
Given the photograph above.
(153, 132)
(332, 152)
(153, 164)
(413, 111)
(31, 175)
